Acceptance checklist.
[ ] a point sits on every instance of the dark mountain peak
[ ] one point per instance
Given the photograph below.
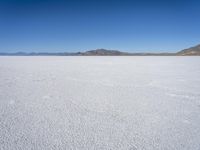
(190, 51)
(104, 52)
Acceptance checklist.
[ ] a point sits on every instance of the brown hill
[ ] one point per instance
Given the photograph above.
(193, 51)
(104, 52)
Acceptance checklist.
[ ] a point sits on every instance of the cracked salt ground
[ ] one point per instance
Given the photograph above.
(12, 102)
(130, 103)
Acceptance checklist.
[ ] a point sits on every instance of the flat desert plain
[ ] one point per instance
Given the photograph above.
(99, 103)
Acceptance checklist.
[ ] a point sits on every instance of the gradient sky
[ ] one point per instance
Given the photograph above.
(79, 25)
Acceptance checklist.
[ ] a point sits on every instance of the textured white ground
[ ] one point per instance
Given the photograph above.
(101, 103)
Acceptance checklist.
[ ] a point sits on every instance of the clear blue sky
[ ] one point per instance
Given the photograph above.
(79, 25)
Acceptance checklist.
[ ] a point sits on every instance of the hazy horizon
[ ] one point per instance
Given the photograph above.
(82, 51)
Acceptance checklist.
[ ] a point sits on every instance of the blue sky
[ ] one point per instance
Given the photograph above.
(79, 25)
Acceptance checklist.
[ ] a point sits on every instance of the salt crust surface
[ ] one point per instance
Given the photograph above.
(102, 103)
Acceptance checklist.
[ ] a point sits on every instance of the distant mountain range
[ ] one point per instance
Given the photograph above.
(193, 51)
